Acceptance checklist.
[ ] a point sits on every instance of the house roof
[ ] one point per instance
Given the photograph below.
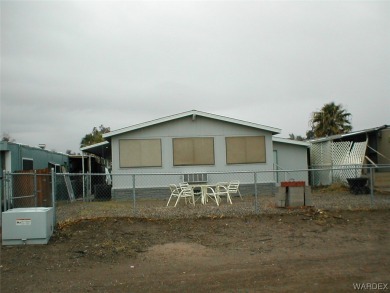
(353, 133)
(4, 146)
(192, 113)
(291, 141)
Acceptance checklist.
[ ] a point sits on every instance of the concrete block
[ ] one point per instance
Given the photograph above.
(281, 203)
(280, 197)
(295, 196)
(280, 193)
(296, 190)
(308, 201)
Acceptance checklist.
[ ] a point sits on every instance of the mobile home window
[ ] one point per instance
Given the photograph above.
(28, 164)
(140, 153)
(193, 151)
(56, 167)
(245, 150)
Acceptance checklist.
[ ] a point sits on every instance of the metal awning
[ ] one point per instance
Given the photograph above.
(349, 134)
(101, 149)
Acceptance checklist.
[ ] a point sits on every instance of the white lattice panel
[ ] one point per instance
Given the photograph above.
(350, 158)
(315, 154)
(320, 157)
(346, 158)
(340, 152)
(357, 153)
(320, 153)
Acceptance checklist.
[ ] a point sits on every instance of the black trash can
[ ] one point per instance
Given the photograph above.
(102, 192)
(358, 185)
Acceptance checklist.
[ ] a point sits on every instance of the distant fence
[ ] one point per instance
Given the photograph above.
(146, 193)
(30, 188)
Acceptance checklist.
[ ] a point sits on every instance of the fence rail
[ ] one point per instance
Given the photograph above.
(146, 194)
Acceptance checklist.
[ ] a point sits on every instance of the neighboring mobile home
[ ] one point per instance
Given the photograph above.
(20, 157)
(15, 157)
(351, 150)
(197, 143)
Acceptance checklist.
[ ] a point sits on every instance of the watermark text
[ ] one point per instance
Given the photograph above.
(371, 286)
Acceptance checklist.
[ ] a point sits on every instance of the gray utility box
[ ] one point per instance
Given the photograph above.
(27, 226)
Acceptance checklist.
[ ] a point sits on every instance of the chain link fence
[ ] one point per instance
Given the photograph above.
(75, 196)
(27, 189)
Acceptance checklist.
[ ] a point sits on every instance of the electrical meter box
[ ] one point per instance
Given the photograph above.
(27, 226)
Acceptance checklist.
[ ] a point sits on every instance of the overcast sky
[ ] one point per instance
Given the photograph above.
(67, 66)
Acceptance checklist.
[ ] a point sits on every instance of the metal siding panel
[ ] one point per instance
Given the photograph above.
(201, 127)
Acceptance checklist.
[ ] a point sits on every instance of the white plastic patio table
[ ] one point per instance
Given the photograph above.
(203, 188)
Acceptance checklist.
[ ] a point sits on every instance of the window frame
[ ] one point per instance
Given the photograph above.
(129, 162)
(244, 152)
(27, 160)
(196, 159)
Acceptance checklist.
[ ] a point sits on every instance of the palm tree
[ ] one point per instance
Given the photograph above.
(330, 120)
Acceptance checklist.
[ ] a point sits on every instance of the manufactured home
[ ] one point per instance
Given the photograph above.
(194, 146)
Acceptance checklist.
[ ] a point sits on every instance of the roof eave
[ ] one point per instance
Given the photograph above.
(86, 148)
(291, 141)
(339, 136)
(193, 113)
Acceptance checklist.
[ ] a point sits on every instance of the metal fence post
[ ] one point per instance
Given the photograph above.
(53, 195)
(8, 191)
(256, 199)
(35, 188)
(331, 174)
(372, 186)
(3, 193)
(89, 186)
(134, 208)
(83, 180)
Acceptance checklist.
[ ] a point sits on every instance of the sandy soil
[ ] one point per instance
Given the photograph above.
(309, 250)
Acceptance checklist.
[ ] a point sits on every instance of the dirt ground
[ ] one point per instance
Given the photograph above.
(308, 250)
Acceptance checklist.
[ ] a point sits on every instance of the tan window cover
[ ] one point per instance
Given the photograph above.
(245, 150)
(140, 153)
(193, 151)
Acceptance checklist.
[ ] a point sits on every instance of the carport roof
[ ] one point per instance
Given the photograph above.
(349, 134)
(101, 149)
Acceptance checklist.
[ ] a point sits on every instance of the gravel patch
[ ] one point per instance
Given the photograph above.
(265, 204)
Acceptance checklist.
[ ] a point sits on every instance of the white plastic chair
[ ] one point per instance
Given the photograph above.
(233, 188)
(174, 192)
(198, 193)
(210, 193)
(186, 193)
(227, 190)
(222, 190)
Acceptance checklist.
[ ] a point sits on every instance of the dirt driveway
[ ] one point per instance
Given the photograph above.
(306, 251)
